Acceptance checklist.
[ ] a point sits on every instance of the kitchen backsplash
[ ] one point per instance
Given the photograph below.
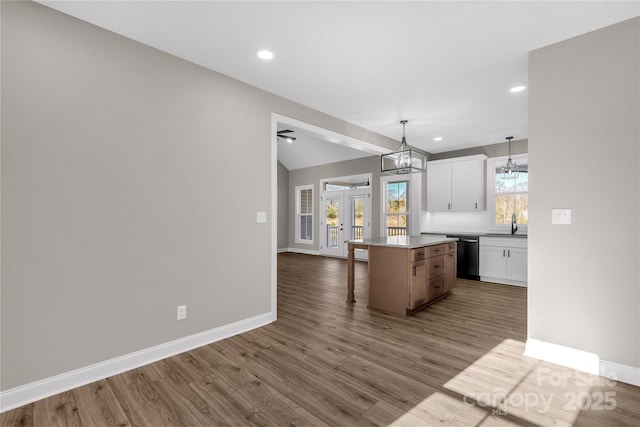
(454, 222)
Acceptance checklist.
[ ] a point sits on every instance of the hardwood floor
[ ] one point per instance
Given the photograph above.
(325, 362)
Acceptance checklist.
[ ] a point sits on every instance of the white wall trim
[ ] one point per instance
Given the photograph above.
(274, 216)
(581, 360)
(624, 373)
(503, 281)
(28, 393)
(301, 251)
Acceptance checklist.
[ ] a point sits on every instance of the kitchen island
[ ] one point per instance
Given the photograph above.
(406, 273)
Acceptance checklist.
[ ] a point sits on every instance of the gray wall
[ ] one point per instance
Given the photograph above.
(583, 132)
(283, 207)
(494, 150)
(117, 202)
(313, 175)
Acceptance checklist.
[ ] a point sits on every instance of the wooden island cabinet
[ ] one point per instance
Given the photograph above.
(408, 273)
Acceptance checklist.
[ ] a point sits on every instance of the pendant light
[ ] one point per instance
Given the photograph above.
(405, 159)
(511, 169)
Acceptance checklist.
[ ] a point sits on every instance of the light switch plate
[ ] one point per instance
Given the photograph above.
(561, 216)
(262, 217)
(182, 312)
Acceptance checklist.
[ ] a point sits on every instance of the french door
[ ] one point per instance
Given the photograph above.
(345, 215)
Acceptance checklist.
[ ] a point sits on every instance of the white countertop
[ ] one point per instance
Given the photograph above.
(479, 234)
(408, 242)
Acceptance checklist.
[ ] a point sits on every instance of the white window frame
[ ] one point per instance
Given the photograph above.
(299, 214)
(492, 164)
(414, 196)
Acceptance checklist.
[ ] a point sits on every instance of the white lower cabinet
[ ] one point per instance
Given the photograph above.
(503, 260)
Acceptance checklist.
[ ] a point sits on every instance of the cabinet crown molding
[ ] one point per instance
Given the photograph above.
(459, 159)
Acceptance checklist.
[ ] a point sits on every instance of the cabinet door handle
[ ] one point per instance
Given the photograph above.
(414, 270)
(503, 253)
(476, 205)
(509, 253)
(436, 287)
(449, 206)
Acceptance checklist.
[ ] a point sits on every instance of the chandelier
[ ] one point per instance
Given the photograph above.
(405, 159)
(511, 169)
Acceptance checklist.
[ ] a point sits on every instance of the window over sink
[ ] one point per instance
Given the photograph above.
(508, 195)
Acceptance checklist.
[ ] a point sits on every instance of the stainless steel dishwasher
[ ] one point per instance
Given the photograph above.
(468, 256)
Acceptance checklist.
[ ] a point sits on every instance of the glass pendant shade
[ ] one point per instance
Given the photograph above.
(405, 159)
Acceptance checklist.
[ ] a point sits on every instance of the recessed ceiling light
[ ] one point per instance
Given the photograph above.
(517, 89)
(437, 138)
(265, 54)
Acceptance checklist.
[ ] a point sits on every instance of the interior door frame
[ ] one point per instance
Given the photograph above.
(344, 196)
(330, 137)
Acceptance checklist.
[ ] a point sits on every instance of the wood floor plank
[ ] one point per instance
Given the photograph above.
(325, 362)
(187, 407)
(140, 402)
(98, 405)
(20, 417)
(221, 398)
(59, 410)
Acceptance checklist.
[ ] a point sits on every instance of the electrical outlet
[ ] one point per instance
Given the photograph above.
(182, 312)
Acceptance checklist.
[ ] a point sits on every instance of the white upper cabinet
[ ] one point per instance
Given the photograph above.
(438, 186)
(456, 185)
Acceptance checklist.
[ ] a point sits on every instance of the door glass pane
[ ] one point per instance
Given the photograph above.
(332, 221)
(357, 217)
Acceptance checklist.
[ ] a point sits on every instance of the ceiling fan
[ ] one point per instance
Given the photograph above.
(289, 139)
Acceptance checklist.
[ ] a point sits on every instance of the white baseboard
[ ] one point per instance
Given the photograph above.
(300, 251)
(582, 361)
(22, 395)
(503, 281)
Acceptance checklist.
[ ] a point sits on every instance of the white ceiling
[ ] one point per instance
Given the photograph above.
(446, 66)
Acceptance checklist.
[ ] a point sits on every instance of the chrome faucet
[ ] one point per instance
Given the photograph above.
(514, 225)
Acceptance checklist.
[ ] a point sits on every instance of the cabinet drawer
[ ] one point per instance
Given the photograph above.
(435, 266)
(418, 254)
(436, 250)
(451, 247)
(435, 287)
